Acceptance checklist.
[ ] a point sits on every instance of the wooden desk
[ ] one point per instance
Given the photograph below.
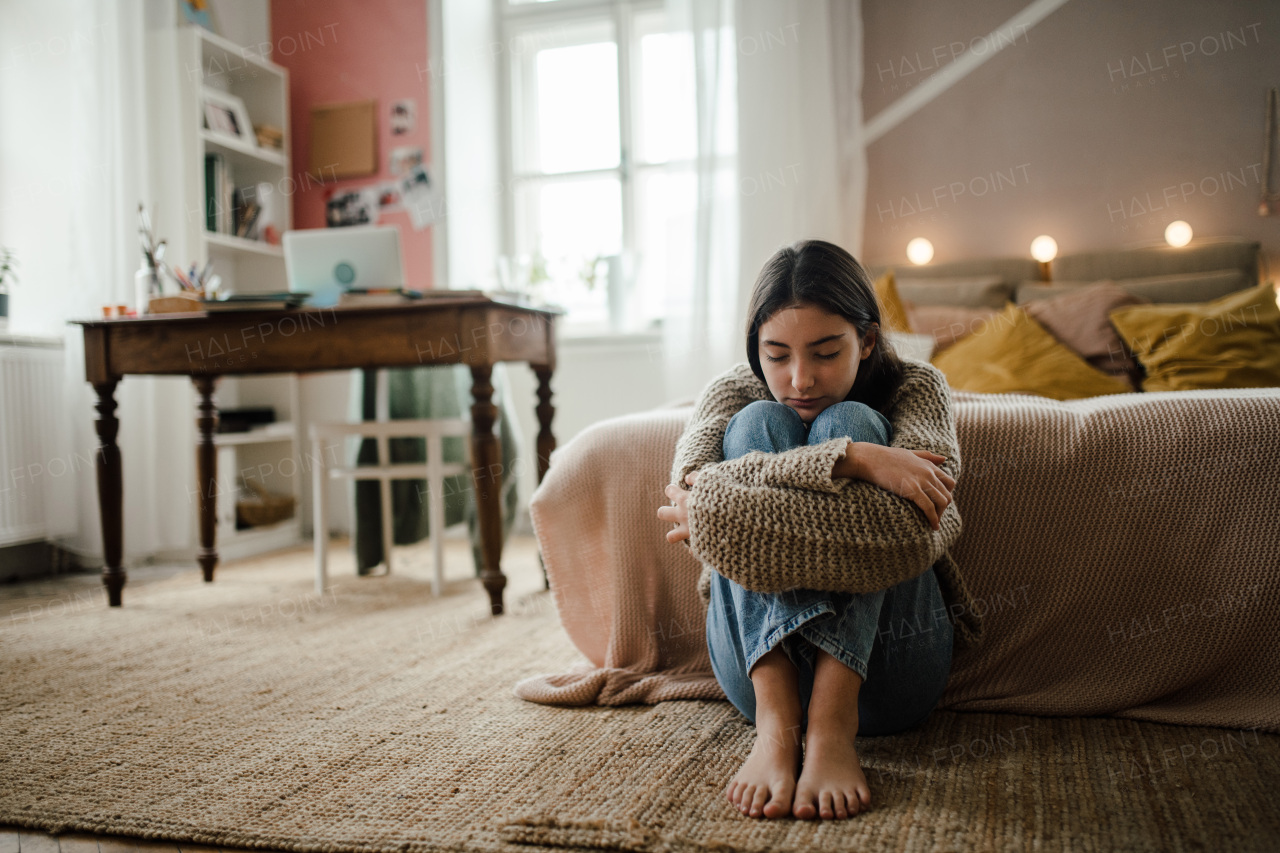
(474, 331)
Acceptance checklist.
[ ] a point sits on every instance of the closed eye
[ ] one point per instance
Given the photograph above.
(820, 355)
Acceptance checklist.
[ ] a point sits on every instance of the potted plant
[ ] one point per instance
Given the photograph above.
(7, 274)
(147, 279)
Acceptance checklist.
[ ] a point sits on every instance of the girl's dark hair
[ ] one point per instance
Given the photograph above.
(818, 273)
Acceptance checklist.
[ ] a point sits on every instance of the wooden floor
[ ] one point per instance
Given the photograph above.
(517, 550)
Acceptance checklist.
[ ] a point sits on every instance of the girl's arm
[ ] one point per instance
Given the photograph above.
(914, 474)
(921, 416)
(702, 442)
(823, 532)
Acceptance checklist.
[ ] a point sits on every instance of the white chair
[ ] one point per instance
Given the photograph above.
(434, 470)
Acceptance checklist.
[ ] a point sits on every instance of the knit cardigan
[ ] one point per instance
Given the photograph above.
(778, 521)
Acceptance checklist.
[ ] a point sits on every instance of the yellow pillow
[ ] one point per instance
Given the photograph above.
(1231, 342)
(893, 314)
(1011, 352)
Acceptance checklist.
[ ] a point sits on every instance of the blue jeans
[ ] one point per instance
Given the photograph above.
(898, 639)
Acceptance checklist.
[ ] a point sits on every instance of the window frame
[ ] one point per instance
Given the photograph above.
(517, 20)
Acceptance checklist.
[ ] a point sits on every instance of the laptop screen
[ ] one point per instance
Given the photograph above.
(326, 261)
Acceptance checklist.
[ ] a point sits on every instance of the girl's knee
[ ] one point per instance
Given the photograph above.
(766, 411)
(853, 420)
(763, 425)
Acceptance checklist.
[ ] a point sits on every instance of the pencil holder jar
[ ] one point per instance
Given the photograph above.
(146, 284)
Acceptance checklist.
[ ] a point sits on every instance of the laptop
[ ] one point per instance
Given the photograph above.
(326, 261)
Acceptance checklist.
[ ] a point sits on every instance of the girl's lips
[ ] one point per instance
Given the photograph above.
(805, 404)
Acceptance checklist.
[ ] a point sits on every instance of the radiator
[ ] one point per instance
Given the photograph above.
(31, 414)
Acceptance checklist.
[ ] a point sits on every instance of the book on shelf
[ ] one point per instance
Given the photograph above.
(219, 194)
(214, 167)
(231, 210)
(247, 216)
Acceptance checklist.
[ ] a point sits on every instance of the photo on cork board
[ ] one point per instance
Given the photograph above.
(358, 206)
(404, 116)
(419, 197)
(404, 159)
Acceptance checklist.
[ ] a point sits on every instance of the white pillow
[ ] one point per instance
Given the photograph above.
(910, 345)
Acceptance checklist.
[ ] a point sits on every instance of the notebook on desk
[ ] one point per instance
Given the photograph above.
(325, 262)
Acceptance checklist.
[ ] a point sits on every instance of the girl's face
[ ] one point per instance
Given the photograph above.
(810, 358)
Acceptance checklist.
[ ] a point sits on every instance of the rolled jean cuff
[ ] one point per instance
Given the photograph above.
(832, 645)
(781, 632)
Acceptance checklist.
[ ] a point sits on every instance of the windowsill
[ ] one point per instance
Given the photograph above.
(601, 338)
(8, 339)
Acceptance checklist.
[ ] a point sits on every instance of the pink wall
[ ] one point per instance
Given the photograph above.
(337, 51)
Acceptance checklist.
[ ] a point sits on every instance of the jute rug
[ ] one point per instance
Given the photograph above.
(252, 713)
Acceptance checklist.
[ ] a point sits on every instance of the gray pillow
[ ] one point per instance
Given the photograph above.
(1186, 287)
(988, 291)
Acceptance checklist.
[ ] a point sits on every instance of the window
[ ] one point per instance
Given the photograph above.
(599, 152)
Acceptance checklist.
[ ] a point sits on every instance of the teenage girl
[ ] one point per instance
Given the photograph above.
(795, 662)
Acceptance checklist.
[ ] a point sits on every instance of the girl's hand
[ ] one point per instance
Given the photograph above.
(913, 474)
(677, 512)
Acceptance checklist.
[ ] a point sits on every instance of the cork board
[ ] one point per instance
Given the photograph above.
(344, 140)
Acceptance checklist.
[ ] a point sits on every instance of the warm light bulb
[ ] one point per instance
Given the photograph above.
(1178, 233)
(920, 251)
(1044, 248)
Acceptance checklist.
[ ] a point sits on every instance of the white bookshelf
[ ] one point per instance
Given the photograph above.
(272, 455)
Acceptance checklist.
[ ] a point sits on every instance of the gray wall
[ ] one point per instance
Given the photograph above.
(1098, 125)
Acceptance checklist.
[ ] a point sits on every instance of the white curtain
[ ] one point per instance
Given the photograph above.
(78, 152)
(701, 329)
(780, 159)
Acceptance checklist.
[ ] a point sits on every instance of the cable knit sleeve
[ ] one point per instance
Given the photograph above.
(777, 521)
(702, 441)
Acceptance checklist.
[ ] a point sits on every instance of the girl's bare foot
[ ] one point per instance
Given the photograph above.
(832, 784)
(766, 782)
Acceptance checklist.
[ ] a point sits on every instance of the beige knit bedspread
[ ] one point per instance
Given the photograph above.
(1125, 550)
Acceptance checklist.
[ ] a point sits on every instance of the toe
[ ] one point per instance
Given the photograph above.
(838, 801)
(779, 804)
(824, 806)
(864, 797)
(745, 795)
(803, 807)
(758, 801)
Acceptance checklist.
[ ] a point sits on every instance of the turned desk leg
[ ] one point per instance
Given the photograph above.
(207, 475)
(486, 468)
(110, 492)
(546, 439)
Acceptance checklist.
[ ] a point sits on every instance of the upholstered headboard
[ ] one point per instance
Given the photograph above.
(1204, 256)
(1207, 255)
